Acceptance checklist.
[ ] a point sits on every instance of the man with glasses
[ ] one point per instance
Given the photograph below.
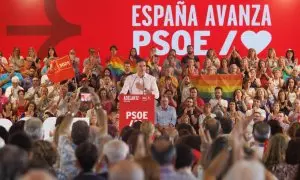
(165, 115)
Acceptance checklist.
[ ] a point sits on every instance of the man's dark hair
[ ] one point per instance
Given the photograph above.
(113, 47)
(21, 140)
(127, 62)
(184, 129)
(226, 125)
(137, 125)
(16, 127)
(139, 59)
(193, 88)
(3, 134)
(163, 151)
(218, 87)
(192, 141)
(217, 146)
(184, 156)
(87, 155)
(213, 126)
(261, 131)
(80, 132)
(292, 152)
(14, 162)
(275, 127)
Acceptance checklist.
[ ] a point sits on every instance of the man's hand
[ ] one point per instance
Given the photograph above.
(139, 86)
(11, 74)
(148, 91)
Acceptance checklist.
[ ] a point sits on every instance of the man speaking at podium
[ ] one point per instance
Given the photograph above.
(140, 83)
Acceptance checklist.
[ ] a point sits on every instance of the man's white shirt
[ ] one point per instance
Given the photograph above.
(147, 80)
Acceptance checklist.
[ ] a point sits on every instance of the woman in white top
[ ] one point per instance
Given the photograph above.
(206, 114)
(247, 90)
(277, 81)
(291, 60)
(16, 59)
(271, 60)
(291, 90)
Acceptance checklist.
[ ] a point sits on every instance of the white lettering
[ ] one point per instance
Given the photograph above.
(165, 46)
(192, 17)
(254, 18)
(221, 14)
(244, 15)
(140, 115)
(227, 43)
(158, 14)
(169, 17)
(138, 42)
(135, 15)
(266, 17)
(186, 41)
(180, 15)
(238, 15)
(232, 16)
(199, 42)
(148, 20)
(210, 18)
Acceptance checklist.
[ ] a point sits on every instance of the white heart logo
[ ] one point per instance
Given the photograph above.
(258, 41)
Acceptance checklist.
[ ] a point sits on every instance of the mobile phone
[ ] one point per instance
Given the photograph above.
(85, 97)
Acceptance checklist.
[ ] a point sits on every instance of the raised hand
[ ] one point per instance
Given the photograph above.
(206, 140)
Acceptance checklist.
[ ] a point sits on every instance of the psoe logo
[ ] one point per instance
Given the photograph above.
(64, 64)
(131, 98)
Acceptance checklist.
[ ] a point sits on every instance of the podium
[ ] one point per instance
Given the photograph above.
(136, 108)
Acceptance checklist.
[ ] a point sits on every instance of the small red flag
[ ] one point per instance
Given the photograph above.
(61, 69)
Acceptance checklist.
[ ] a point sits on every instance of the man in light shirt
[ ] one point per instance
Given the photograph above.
(165, 115)
(256, 108)
(140, 82)
(218, 104)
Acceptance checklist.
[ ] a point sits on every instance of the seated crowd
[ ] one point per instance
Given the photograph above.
(255, 135)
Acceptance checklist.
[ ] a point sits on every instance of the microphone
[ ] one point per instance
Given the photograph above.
(143, 85)
(132, 85)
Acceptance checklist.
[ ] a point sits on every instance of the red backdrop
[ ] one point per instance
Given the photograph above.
(79, 24)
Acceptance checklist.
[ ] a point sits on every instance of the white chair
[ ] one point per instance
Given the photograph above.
(48, 127)
(24, 118)
(6, 123)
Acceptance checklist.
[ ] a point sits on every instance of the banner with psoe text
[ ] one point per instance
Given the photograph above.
(217, 24)
(136, 108)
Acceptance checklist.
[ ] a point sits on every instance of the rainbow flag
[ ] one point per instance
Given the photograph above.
(206, 85)
(116, 65)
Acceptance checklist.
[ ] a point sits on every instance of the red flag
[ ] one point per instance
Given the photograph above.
(61, 69)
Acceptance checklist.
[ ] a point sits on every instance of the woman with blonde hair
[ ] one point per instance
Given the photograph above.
(211, 54)
(274, 158)
(271, 60)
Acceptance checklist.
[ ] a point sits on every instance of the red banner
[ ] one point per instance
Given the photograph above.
(217, 24)
(136, 108)
(61, 69)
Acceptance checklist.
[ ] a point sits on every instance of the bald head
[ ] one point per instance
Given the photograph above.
(37, 175)
(126, 170)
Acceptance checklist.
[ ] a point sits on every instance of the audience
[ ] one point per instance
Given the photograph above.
(192, 136)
